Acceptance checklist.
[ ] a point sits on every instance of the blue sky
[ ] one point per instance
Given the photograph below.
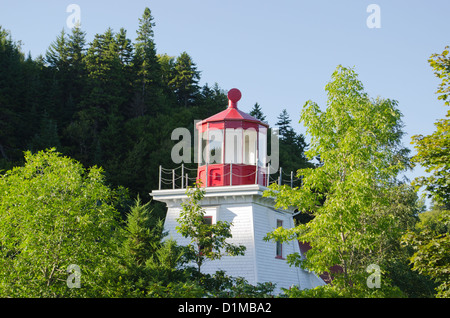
(278, 53)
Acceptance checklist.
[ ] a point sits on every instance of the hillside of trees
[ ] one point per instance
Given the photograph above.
(113, 103)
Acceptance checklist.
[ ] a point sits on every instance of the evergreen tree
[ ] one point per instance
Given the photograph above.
(167, 64)
(292, 147)
(257, 112)
(104, 67)
(108, 88)
(76, 52)
(57, 53)
(15, 129)
(148, 70)
(286, 132)
(65, 58)
(185, 80)
(47, 137)
(143, 233)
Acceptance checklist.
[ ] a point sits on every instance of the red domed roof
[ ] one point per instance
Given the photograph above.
(232, 112)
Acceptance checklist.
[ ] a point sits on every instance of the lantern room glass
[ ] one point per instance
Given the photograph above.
(262, 146)
(250, 146)
(211, 150)
(233, 145)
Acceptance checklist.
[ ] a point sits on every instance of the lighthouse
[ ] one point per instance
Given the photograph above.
(233, 169)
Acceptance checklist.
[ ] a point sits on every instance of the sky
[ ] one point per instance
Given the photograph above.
(278, 53)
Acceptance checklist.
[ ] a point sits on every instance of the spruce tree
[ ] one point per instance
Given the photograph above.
(185, 80)
(13, 130)
(257, 112)
(57, 54)
(286, 131)
(143, 233)
(147, 69)
(292, 147)
(47, 137)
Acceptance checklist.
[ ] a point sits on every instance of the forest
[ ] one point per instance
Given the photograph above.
(84, 129)
(112, 103)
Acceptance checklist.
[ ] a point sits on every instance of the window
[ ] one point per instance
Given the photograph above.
(208, 220)
(279, 249)
(262, 146)
(250, 137)
(215, 146)
(233, 145)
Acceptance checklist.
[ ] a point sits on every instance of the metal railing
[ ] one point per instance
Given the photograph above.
(179, 177)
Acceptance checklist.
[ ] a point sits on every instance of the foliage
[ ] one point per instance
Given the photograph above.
(150, 266)
(358, 141)
(335, 291)
(433, 151)
(257, 112)
(185, 79)
(221, 285)
(208, 241)
(431, 242)
(292, 146)
(112, 102)
(432, 258)
(54, 213)
(441, 66)
(143, 233)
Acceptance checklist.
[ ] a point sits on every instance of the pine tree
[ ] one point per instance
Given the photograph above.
(257, 112)
(65, 60)
(292, 146)
(148, 70)
(143, 233)
(75, 54)
(108, 89)
(286, 131)
(57, 54)
(185, 80)
(13, 130)
(47, 137)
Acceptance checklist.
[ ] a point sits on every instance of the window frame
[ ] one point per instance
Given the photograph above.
(279, 245)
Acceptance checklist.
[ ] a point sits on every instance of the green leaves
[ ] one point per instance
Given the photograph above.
(431, 256)
(53, 213)
(358, 142)
(433, 153)
(208, 241)
(441, 65)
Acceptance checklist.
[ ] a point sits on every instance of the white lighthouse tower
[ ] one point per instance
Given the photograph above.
(232, 148)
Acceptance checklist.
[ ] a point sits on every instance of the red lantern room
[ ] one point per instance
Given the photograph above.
(232, 147)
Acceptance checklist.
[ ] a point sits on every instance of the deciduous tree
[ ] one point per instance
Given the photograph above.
(358, 141)
(432, 249)
(208, 241)
(54, 213)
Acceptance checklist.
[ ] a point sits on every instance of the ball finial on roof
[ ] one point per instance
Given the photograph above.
(234, 95)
